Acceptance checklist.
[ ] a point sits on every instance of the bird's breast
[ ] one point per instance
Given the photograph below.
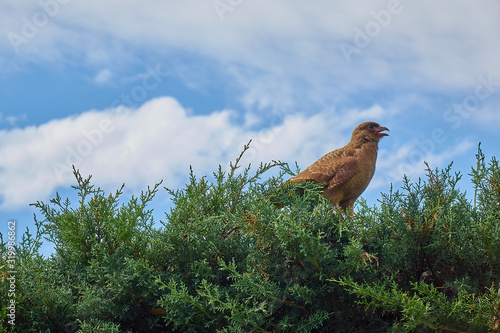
(366, 160)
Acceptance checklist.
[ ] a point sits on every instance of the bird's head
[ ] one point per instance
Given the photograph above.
(369, 131)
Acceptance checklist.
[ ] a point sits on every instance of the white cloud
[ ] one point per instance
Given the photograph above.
(157, 141)
(12, 120)
(103, 76)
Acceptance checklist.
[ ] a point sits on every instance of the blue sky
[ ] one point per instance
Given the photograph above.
(136, 92)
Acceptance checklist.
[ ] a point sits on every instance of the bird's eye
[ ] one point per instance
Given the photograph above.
(371, 126)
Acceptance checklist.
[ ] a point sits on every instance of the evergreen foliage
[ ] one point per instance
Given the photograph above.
(426, 259)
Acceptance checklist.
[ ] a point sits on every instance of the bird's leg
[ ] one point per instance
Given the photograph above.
(348, 207)
(339, 211)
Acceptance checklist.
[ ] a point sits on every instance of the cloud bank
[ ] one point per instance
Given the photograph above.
(157, 141)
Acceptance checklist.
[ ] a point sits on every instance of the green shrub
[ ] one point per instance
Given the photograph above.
(225, 259)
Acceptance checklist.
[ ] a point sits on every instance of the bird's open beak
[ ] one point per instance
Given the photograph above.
(380, 129)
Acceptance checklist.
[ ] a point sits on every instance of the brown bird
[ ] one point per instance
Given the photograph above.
(347, 171)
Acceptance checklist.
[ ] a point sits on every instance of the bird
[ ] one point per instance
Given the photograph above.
(346, 172)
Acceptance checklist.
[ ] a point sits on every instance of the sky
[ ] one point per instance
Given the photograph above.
(136, 92)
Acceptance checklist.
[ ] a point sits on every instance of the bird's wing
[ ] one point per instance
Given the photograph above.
(342, 170)
(331, 171)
